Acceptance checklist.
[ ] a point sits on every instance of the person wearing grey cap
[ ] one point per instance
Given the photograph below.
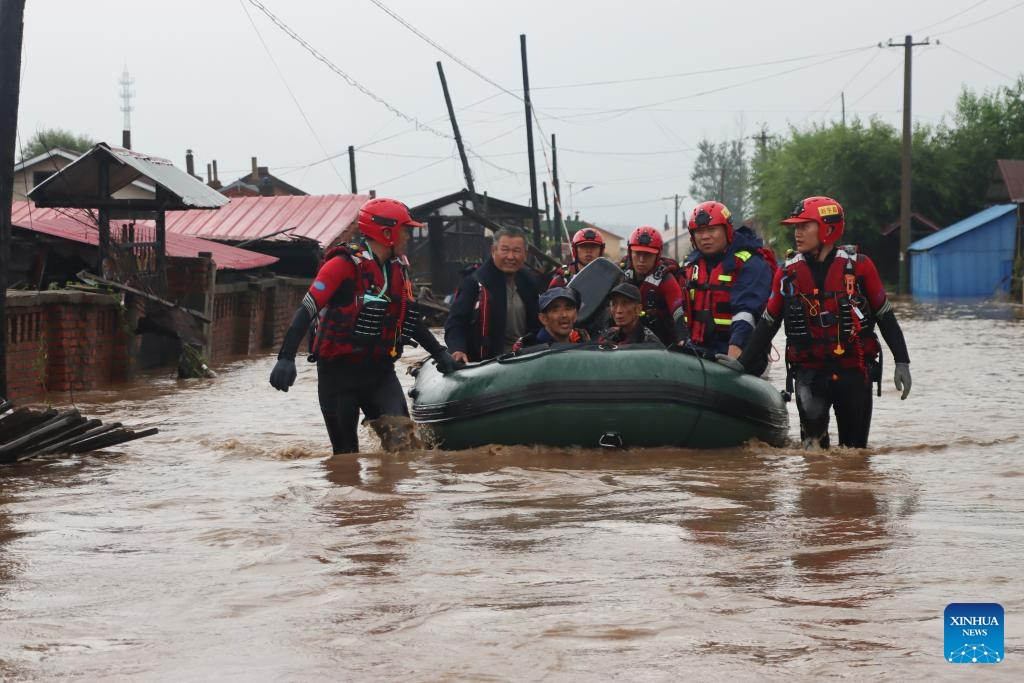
(626, 308)
(558, 310)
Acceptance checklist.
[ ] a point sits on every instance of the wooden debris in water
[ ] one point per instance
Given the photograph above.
(28, 432)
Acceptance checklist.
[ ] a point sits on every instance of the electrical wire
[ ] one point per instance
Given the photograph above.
(419, 125)
(684, 74)
(979, 21)
(295, 99)
(953, 16)
(979, 63)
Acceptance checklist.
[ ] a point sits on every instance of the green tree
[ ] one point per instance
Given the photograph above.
(858, 164)
(722, 173)
(51, 138)
(984, 128)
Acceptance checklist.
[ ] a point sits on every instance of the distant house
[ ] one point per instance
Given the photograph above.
(969, 259)
(260, 183)
(887, 258)
(454, 240)
(32, 172)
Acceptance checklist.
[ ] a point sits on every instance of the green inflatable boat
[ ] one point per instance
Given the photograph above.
(589, 396)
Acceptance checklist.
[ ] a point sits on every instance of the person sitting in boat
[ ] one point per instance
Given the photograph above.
(362, 301)
(726, 281)
(661, 297)
(587, 245)
(626, 310)
(558, 310)
(494, 305)
(831, 298)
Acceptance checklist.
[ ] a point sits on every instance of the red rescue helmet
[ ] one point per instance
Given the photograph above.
(381, 218)
(587, 236)
(711, 213)
(645, 238)
(826, 212)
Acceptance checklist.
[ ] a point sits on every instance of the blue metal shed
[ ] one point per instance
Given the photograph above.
(971, 258)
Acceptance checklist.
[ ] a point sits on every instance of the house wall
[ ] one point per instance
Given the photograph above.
(63, 341)
(976, 264)
(23, 178)
(252, 317)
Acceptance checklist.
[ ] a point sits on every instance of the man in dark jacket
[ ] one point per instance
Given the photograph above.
(725, 282)
(495, 305)
(626, 309)
(559, 308)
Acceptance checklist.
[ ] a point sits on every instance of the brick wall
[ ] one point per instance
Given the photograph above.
(251, 317)
(62, 341)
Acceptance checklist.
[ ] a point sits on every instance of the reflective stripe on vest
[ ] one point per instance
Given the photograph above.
(709, 310)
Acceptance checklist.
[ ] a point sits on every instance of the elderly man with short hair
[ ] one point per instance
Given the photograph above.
(494, 305)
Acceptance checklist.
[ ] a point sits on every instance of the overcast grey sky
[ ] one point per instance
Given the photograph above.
(628, 88)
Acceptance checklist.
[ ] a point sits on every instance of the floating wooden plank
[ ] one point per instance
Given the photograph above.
(28, 432)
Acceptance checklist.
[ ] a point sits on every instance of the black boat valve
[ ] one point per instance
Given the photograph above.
(610, 440)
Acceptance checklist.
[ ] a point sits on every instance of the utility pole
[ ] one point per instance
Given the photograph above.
(547, 207)
(529, 143)
(842, 104)
(908, 46)
(352, 169)
(12, 23)
(458, 138)
(557, 200)
(675, 241)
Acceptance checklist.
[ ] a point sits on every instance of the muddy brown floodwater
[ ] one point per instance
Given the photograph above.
(232, 546)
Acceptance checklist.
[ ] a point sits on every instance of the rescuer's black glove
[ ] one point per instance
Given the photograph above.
(446, 363)
(283, 374)
(902, 379)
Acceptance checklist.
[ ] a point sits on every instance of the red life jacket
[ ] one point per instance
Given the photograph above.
(334, 333)
(655, 307)
(564, 274)
(834, 326)
(708, 309)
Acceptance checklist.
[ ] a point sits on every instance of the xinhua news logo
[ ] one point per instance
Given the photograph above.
(973, 633)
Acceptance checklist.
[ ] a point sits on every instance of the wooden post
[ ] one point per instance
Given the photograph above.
(458, 137)
(12, 22)
(556, 200)
(529, 141)
(352, 169)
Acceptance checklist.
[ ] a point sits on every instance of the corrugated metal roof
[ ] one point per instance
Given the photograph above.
(319, 217)
(78, 226)
(961, 227)
(1012, 171)
(75, 184)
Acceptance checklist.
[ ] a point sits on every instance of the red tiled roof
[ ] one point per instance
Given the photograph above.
(76, 225)
(319, 217)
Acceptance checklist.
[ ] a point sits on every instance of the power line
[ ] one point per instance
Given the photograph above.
(625, 154)
(974, 23)
(419, 125)
(684, 74)
(965, 56)
(829, 101)
(954, 16)
(611, 206)
(290, 92)
(616, 113)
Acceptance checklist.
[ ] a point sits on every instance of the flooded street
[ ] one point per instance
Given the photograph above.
(231, 546)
